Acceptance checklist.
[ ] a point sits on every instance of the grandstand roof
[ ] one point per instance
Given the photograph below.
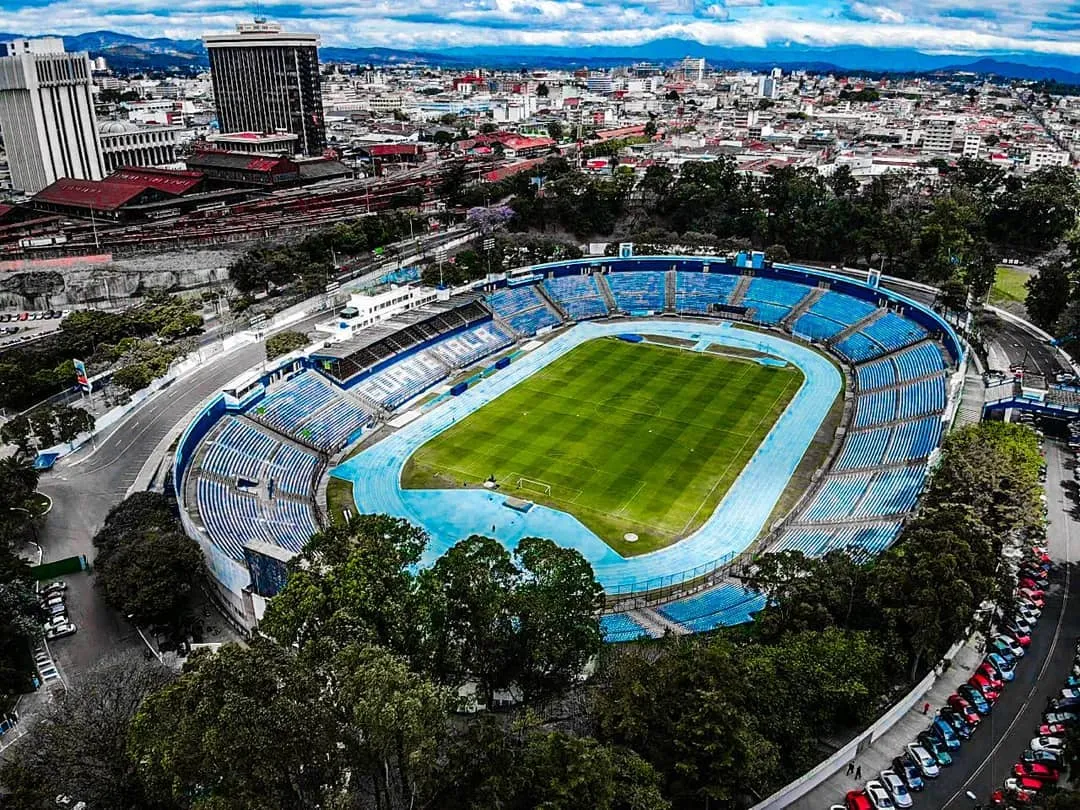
(375, 334)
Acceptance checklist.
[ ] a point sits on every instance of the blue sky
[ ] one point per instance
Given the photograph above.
(933, 26)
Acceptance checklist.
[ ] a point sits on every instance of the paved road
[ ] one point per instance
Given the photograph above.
(987, 758)
(84, 490)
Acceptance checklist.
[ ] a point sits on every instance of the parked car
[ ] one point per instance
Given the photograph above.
(964, 708)
(1006, 670)
(993, 677)
(938, 751)
(982, 683)
(1054, 744)
(60, 631)
(1050, 758)
(1070, 693)
(927, 765)
(48, 601)
(857, 800)
(1064, 718)
(1024, 783)
(975, 698)
(879, 796)
(1052, 730)
(1011, 644)
(945, 733)
(1036, 770)
(57, 610)
(904, 767)
(55, 585)
(1022, 638)
(1064, 704)
(1028, 611)
(962, 727)
(55, 621)
(901, 796)
(1032, 595)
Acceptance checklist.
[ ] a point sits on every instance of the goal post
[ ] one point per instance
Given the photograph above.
(534, 485)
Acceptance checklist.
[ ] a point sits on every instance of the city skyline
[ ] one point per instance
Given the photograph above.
(958, 27)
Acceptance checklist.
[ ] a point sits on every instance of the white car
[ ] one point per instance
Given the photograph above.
(55, 585)
(49, 600)
(55, 621)
(1022, 625)
(60, 631)
(1070, 693)
(1052, 744)
(926, 764)
(1012, 645)
(901, 796)
(879, 796)
(1028, 611)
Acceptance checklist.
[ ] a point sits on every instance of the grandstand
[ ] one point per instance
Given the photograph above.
(578, 296)
(251, 477)
(638, 291)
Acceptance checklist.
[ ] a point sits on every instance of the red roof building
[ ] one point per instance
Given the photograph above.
(174, 182)
(92, 197)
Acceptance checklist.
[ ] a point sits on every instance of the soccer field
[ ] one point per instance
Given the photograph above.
(629, 438)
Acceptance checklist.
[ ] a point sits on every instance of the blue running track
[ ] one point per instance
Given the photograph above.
(451, 515)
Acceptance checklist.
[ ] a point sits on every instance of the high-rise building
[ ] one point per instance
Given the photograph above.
(268, 81)
(47, 114)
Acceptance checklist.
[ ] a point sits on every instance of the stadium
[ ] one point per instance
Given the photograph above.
(668, 417)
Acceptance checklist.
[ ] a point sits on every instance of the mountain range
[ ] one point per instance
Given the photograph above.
(127, 52)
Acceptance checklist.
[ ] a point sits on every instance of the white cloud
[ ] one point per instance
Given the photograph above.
(957, 26)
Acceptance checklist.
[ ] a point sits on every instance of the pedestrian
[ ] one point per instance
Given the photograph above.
(858, 773)
(926, 708)
(851, 768)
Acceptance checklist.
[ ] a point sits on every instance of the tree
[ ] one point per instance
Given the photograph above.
(1048, 294)
(542, 90)
(555, 131)
(242, 728)
(20, 621)
(134, 377)
(147, 567)
(489, 219)
(80, 745)
(285, 342)
(650, 129)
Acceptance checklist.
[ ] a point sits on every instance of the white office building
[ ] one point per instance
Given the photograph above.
(47, 114)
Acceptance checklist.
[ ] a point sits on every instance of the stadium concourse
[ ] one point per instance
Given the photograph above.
(247, 469)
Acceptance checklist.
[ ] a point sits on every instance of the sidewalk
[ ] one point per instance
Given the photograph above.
(879, 755)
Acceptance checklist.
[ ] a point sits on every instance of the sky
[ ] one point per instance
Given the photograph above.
(934, 26)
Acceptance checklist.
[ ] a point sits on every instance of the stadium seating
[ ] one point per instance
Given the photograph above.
(917, 399)
(875, 408)
(233, 518)
(578, 295)
(694, 292)
(466, 348)
(293, 470)
(638, 291)
(887, 334)
(909, 364)
(523, 308)
(913, 440)
(773, 299)
(864, 449)
(309, 409)
(879, 374)
(725, 605)
(816, 327)
(243, 451)
(841, 308)
(837, 497)
(617, 627)
(862, 541)
(892, 492)
(400, 382)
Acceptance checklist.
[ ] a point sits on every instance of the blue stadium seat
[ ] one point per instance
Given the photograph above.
(772, 298)
(618, 627)
(695, 292)
(578, 295)
(523, 308)
(725, 605)
(638, 291)
(308, 408)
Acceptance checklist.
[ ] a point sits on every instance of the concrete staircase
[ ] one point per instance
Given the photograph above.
(801, 307)
(656, 624)
(740, 290)
(855, 327)
(669, 298)
(605, 292)
(551, 303)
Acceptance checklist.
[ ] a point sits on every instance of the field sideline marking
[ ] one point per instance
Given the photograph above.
(720, 477)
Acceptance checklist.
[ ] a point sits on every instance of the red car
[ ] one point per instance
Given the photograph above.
(1029, 589)
(1036, 770)
(981, 683)
(858, 800)
(964, 709)
(986, 669)
(1022, 638)
(1023, 784)
(1052, 730)
(1029, 595)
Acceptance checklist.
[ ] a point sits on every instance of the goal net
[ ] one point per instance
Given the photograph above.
(534, 486)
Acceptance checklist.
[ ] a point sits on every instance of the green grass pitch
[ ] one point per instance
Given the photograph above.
(627, 437)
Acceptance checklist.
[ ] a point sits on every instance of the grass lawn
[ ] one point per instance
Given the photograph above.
(626, 437)
(1009, 286)
(339, 497)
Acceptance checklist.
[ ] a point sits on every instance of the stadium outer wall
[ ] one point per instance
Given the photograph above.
(233, 578)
